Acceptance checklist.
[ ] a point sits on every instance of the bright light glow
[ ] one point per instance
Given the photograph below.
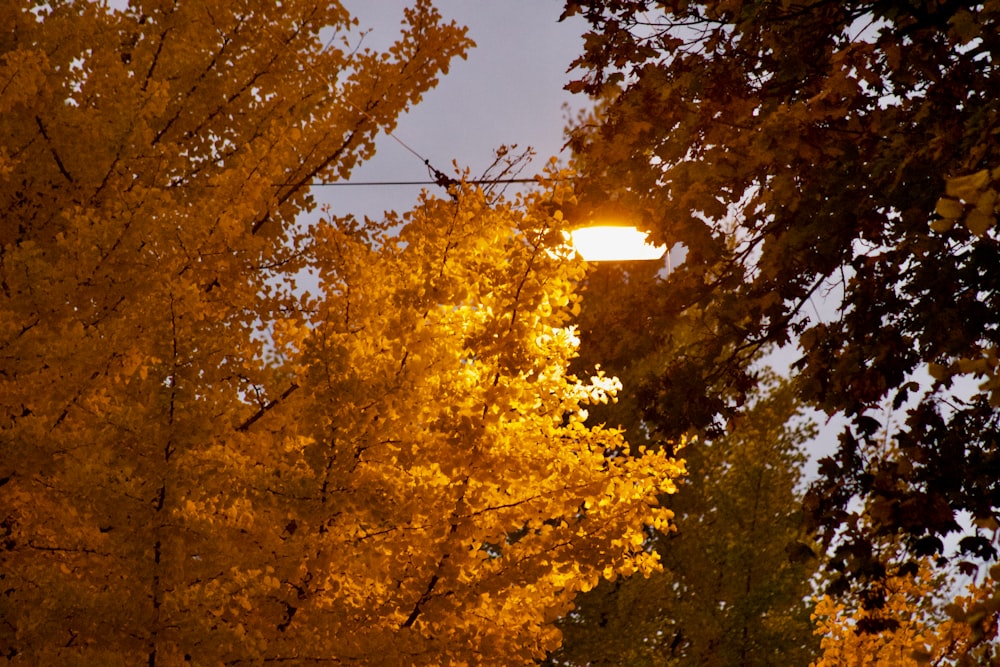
(613, 243)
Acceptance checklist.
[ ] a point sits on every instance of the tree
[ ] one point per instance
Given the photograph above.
(843, 150)
(203, 463)
(729, 592)
(921, 634)
(917, 614)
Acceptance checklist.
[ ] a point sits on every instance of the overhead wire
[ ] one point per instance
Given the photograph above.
(439, 177)
(477, 181)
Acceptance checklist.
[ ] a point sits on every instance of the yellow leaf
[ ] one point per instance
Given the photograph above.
(937, 371)
(942, 224)
(948, 208)
(967, 188)
(979, 222)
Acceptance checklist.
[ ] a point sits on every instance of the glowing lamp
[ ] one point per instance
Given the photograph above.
(613, 243)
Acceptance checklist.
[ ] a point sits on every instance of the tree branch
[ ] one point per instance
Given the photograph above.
(55, 155)
(242, 428)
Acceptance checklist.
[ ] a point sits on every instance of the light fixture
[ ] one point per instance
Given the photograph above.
(613, 243)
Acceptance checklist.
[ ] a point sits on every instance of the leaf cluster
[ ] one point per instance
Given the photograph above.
(204, 462)
(731, 591)
(813, 159)
(905, 629)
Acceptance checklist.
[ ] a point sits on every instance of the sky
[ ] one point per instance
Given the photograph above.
(508, 91)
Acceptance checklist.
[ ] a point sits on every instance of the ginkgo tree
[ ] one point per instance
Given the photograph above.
(202, 462)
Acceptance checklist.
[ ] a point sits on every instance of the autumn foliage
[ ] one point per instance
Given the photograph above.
(231, 433)
(926, 628)
(832, 170)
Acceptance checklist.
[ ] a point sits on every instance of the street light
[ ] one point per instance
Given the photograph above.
(613, 243)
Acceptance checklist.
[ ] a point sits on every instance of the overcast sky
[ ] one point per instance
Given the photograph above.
(508, 91)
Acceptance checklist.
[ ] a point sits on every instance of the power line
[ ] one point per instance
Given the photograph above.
(440, 178)
(478, 181)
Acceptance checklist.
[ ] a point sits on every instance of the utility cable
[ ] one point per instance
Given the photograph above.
(440, 178)
(478, 181)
